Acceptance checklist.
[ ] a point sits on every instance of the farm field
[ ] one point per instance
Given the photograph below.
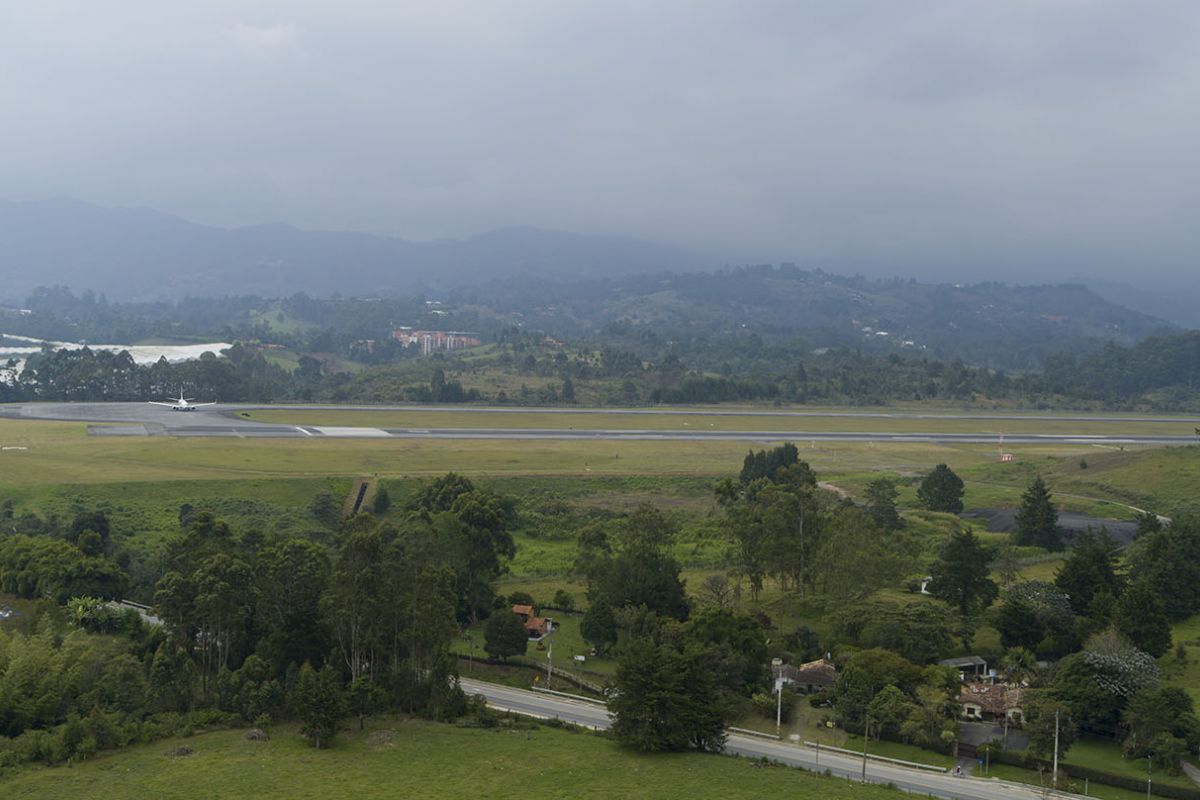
(399, 757)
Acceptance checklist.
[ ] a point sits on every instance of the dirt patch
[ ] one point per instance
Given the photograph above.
(180, 752)
(1004, 520)
(257, 735)
(381, 740)
(829, 487)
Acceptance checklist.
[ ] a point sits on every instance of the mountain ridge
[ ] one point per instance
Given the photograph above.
(144, 254)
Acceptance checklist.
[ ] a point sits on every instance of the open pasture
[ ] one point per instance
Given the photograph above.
(62, 452)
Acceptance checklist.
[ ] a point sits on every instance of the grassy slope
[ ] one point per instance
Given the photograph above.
(424, 760)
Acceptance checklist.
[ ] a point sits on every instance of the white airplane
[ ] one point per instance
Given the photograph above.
(181, 404)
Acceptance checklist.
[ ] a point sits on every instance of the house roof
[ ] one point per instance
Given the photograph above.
(524, 611)
(816, 673)
(964, 661)
(992, 698)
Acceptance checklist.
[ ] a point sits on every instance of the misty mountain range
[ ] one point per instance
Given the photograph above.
(134, 254)
(141, 254)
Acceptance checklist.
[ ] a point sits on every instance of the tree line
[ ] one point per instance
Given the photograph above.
(623, 363)
(250, 630)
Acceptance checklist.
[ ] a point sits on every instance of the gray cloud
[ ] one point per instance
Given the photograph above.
(1020, 140)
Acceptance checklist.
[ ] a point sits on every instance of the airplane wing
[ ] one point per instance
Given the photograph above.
(201, 405)
(156, 403)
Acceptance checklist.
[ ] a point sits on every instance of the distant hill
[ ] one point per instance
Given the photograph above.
(140, 254)
(988, 324)
(1179, 303)
(644, 297)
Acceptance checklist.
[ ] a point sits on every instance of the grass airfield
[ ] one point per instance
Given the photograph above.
(62, 452)
(1088, 477)
(783, 420)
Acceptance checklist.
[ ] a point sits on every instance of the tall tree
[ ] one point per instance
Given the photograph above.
(487, 518)
(1143, 620)
(960, 575)
(1169, 561)
(598, 626)
(666, 699)
(1037, 519)
(1155, 715)
(291, 574)
(1049, 720)
(941, 490)
(354, 604)
(319, 702)
(1019, 624)
(855, 558)
(769, 463)
(223, 605)
(1090, 569)
(881, 497)
(504, 635)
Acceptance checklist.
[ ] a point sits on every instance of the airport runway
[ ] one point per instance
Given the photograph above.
(144, 419)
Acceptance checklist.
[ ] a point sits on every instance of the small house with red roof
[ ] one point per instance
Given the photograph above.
(536, 627)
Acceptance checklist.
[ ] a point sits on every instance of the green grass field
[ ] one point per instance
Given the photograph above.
(64, 453)
(408, 758)
(266, 485)
(583, 419)
(1184, 674)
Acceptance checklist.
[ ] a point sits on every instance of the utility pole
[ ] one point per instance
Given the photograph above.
(777, 671)
(550, 660)
(866, 738)
(1147, 777)
(779, 707)
(1054, 776)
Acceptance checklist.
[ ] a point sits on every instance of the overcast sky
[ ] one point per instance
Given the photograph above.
(1018, 139)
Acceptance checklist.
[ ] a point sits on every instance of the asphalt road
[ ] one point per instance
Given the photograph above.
(927, 782)
(144, 419)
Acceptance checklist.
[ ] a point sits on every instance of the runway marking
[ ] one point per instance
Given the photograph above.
(302, 430)
(344, 432)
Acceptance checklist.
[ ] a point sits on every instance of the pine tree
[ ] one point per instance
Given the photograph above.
(1037, 519)
(319, 702)
(960, 575)
(1090, 569)
(941, 490)
(881, 503)
(666, 699)
(1019, 625)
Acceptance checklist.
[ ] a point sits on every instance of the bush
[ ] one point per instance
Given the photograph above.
(564, 600)
(764, 704)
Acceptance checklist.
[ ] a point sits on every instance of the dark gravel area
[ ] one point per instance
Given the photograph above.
(1003, 520)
